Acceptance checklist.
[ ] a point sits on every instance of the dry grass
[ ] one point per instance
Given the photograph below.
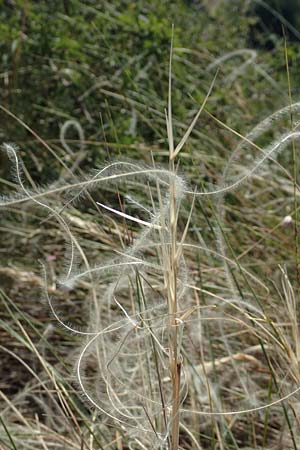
(179, 300)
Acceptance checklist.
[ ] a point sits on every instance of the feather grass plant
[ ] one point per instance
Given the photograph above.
(143, 361)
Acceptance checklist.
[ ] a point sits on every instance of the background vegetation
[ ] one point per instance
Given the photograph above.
(84, 82)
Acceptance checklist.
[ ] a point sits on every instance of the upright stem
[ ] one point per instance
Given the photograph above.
(175, 363)
(171, 276)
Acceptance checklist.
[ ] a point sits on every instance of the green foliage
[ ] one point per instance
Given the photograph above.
(69, 59)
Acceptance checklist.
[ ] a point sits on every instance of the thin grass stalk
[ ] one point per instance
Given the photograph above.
(171, 277)
(174, 322)
(8, 434)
